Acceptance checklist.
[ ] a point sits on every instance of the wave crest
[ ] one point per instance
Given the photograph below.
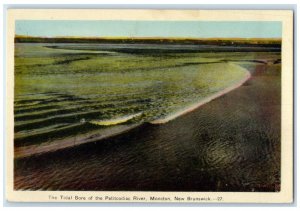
(116, 121)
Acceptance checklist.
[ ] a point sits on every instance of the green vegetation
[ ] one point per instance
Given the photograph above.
(150, 40)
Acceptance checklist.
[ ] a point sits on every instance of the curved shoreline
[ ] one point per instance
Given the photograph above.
(203, 101)
(26, 151)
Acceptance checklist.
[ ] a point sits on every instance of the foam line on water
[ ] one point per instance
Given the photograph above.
(205, 100)
(116, 121)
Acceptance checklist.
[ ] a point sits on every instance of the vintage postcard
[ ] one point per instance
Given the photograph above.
(191, 106)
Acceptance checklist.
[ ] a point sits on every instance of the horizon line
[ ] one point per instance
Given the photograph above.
(150, 37)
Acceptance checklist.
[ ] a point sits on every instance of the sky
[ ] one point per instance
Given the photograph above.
(115, 28)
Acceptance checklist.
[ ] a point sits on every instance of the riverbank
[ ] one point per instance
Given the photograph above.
(21, 152)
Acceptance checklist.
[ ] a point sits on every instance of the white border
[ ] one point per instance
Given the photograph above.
(287, 46)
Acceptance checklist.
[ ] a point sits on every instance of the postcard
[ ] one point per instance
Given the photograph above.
(174, 106)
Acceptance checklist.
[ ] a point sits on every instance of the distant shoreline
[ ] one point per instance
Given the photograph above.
(262, 42)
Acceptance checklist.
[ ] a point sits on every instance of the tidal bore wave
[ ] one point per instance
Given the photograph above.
(109, 132)
(64, 98)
